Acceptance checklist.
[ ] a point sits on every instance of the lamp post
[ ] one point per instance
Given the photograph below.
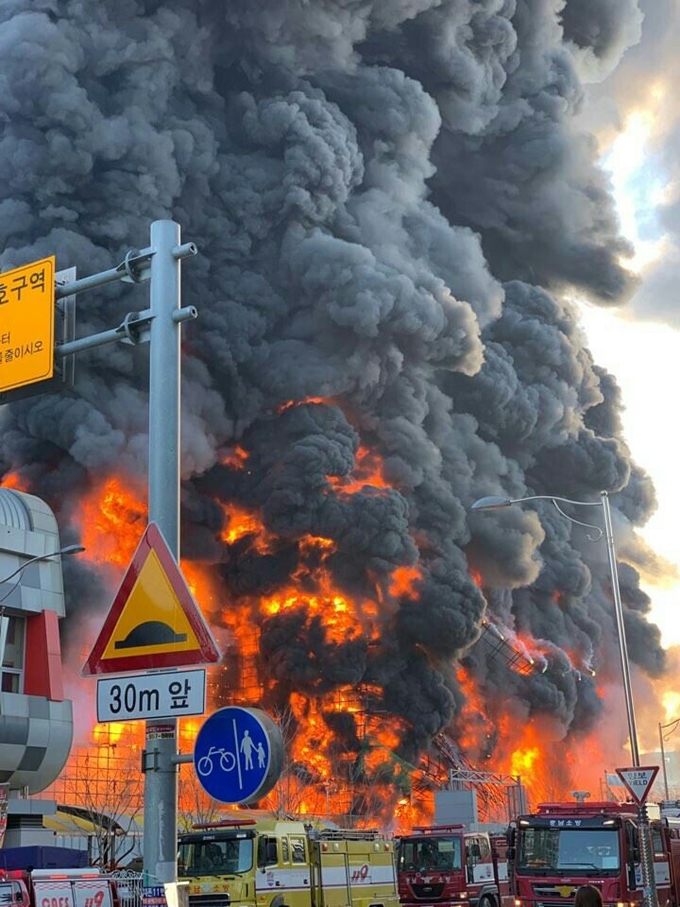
(4, 619)
(67, 549)
(662, 727)
(496, 502)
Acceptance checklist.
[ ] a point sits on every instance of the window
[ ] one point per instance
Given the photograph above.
(266, 851)
(12, 633)
(214, 856)
(430, 853)
(10, 894)
(297, 846)
(568, 848)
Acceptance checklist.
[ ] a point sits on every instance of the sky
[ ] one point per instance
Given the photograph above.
(653, 437)
(639, 342)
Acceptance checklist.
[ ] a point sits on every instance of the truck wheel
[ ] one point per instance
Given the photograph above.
(487, 901)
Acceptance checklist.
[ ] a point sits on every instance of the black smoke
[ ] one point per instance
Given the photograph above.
(389, 199)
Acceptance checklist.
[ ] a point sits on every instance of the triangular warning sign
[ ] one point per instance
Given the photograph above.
(638, 780)
(154, 621)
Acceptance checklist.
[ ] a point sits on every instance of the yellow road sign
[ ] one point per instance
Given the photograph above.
(154, 621)
(27, 324)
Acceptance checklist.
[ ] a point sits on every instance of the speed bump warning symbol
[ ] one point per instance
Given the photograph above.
(154, 621)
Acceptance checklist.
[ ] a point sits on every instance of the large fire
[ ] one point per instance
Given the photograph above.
(363, 781)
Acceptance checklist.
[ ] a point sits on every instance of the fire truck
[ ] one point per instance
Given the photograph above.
(447, 865)
(564, 845)
(57, 888)
(272, 863)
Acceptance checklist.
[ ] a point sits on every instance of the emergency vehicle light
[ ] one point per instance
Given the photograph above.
(224, 823)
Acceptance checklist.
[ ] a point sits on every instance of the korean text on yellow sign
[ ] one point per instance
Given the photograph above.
(27, 324)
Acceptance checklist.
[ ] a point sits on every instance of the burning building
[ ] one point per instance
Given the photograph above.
(393, 204)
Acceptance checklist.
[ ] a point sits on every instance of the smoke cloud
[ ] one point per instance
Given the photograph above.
(390, 200)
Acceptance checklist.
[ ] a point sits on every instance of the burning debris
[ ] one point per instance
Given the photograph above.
(384, 196)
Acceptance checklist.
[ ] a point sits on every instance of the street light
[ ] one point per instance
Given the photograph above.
(662, 727)
(495, 502)
(67, 549)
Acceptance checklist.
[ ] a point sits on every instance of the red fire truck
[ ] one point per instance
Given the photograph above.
(57, 888)
(564, 845)
(447, 865)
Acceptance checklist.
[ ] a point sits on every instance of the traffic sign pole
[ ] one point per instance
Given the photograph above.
(160, 779)
(639, 781)
(160, 325)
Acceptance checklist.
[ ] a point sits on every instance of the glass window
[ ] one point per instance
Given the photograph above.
(13, 655)
(297, 846)
(266, 851)
(568, 848)
(285, 858)
(12, 632)
(657, 843)
(215, 857)
(431, 853)
(10, 682)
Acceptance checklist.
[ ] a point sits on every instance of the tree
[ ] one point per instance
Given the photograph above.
(106, 789)
(195, 804)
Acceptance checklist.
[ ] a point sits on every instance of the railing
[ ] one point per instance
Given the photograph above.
(130, 887)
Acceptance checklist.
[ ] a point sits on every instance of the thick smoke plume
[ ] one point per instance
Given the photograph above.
(390, 198)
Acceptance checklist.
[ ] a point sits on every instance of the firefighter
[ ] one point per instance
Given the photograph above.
(588, 896)
(429, 857)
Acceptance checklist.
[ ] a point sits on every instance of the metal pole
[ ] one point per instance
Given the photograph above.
(649, 894)
(618, 611)
(663, 763)
(160, 785)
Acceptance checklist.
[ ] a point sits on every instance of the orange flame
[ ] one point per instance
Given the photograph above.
(14, 481)
(357, 774)
(237, 458)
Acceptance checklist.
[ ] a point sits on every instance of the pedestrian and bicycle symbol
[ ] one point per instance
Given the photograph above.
(238, 754)
(227, 760)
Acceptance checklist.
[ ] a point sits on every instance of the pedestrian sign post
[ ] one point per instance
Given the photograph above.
(154, 621)
(238, 754)
(27, 315)
(638, 781)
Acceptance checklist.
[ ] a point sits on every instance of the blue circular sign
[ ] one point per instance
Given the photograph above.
(238, 754)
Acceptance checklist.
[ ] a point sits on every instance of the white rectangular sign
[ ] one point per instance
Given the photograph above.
(167, 695)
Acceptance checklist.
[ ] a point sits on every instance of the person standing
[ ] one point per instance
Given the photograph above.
(588, 896)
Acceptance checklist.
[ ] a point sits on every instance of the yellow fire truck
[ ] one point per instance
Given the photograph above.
(248, 863)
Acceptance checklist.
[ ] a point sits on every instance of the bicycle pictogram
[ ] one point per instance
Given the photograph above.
(205, 764)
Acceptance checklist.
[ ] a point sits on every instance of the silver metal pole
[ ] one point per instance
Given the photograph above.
(663, 763)
(160, 786)
(621, 630)
(649, 894)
